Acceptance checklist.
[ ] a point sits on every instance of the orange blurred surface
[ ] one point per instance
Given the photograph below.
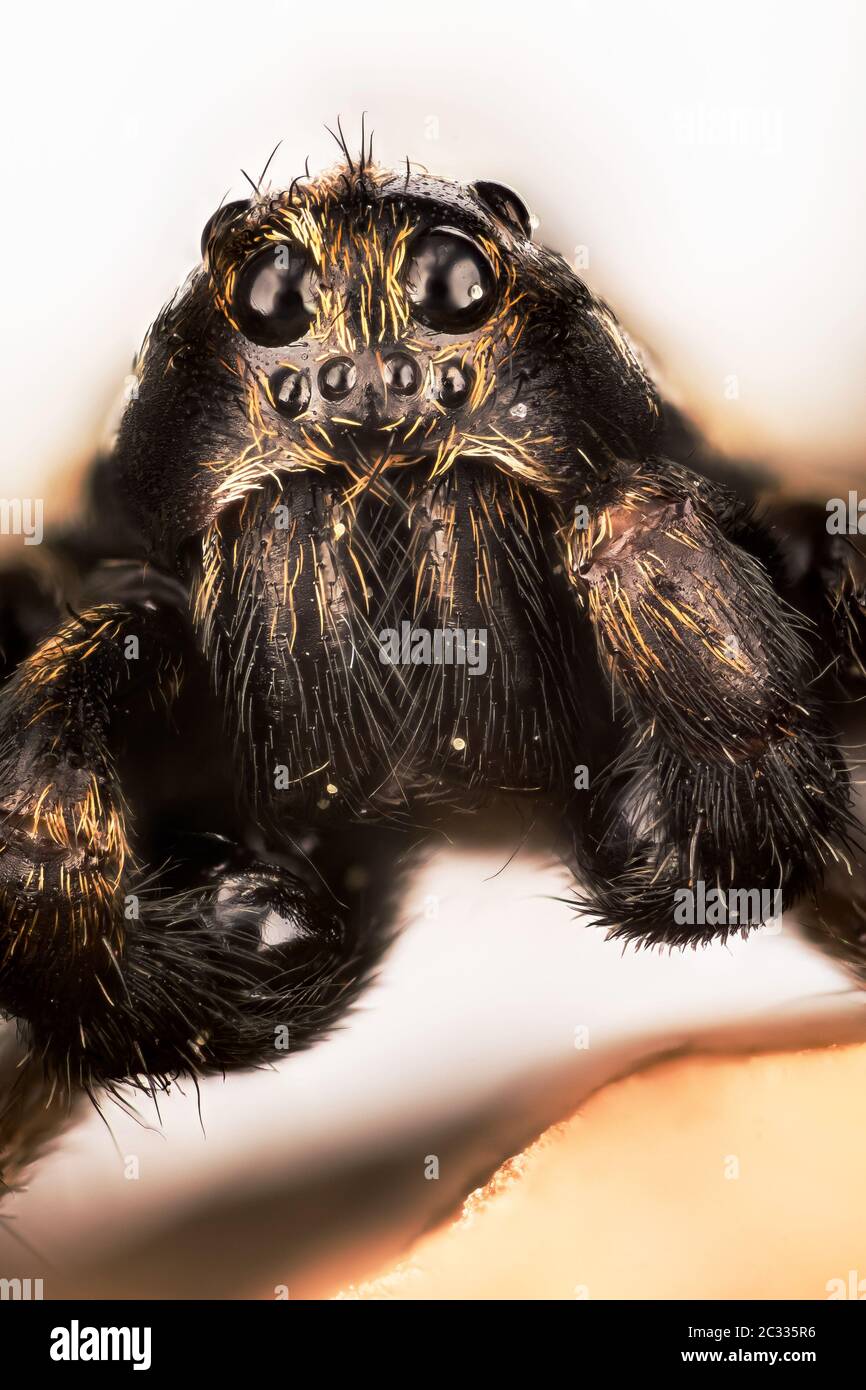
(703, 1178)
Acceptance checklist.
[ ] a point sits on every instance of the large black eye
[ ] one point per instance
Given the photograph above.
(274, 297)
(505, 204)
(225, 214)
(450, 282)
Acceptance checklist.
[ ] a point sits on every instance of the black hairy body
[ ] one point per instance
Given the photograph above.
(321, 699)
(378, 406)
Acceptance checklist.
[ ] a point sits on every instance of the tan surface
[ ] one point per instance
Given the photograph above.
(634, 1197)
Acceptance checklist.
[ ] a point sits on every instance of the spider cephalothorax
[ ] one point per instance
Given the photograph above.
(371, 316)
(395, 525)
(411, 396)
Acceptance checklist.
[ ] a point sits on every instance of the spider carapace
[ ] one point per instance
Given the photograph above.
(394, 525)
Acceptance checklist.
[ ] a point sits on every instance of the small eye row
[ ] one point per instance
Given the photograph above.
(291, 388)
(339, 376)
(449, 283)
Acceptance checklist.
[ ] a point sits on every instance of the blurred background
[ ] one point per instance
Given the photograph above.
(702, 168)
(702, 163)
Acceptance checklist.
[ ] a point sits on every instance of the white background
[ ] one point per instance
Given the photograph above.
(707, 155)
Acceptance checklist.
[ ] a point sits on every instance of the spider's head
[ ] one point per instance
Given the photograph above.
(374, 314)
(370, 321)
